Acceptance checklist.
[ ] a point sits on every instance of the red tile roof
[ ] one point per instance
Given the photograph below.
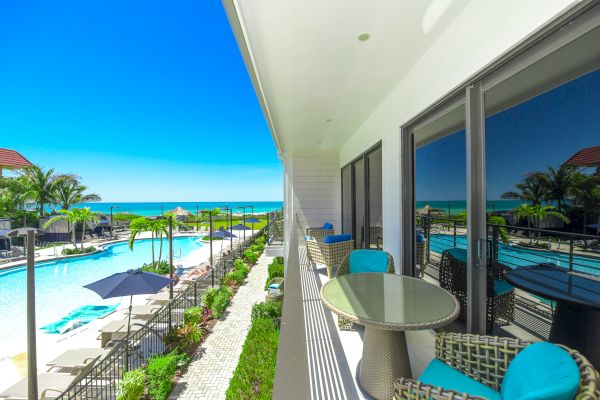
(586, 157)
(12, 159)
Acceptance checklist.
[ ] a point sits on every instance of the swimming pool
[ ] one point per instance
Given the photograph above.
(59, 284)
(513, 257)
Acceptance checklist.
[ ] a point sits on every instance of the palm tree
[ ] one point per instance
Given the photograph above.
(41, 186)
(137, 226)
(75, 216)
(532, 189)
(585, 191)
(534, 215)
(159, 227)
(69, 191)
(559, 182)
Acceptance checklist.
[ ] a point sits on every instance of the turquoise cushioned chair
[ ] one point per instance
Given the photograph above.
(473, 367)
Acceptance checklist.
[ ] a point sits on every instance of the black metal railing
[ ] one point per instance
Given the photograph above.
(102, 380)
(275, 226)
(523, 245)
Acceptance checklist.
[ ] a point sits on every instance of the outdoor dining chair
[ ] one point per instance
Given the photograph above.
(330, 251)
(473, 367)
(361, 261)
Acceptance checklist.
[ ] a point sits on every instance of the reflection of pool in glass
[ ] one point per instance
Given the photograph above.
(513, 257)
(59, 284)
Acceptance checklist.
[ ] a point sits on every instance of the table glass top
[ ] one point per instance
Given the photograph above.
(557, 284)
(389, 299)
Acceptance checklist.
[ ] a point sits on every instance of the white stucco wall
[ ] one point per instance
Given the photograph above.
(482, 32)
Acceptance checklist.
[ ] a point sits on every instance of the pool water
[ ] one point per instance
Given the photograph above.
(513, 257)
(59, 284)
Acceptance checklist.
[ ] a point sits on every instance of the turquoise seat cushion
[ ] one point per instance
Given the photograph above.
(420, 238)
(501, 287)
(439, 374)
(541, 371)
(368, 261)
(337, 238)
(458, 254)
(274, 286)
(327, 225)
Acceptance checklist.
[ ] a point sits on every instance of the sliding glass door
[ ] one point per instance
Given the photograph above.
(362, 199)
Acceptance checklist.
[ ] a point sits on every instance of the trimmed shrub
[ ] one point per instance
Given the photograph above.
(192, 315)
(156, 267)
(271, 310)
(221, 301)
(234, 277)
(250, 256)
(209, 297)
(78, 250)
(160, 371)
(254, 375)
(261, 240)
(133, 385)
(240, 265)
(275, 270)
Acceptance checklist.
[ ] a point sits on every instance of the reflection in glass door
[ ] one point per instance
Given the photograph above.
(359, 203)
(362, 200)
(375, 199)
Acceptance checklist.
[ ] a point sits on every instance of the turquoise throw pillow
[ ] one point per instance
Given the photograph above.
(368, 261)
(439, 374)
(541, 371)
(337, 238)
(327, 225)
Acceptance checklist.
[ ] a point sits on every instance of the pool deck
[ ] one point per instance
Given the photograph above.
(13, 359)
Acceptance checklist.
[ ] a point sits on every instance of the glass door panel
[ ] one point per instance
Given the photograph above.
(375, 215)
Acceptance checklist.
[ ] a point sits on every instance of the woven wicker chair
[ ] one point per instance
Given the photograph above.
(485, 359)
(453, 278)
(344, 269)
(318, 233)
(422, 257)
(279, 296)
(329, 254)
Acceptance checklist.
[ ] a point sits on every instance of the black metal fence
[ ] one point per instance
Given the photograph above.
(515, 246)
(101, 380)
(275, 226)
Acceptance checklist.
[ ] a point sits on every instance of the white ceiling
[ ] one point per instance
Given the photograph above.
(312, 68)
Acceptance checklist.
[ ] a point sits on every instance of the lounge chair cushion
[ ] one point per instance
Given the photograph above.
(501, 287)
(420, 238)
(368, 261)
(274, 286)
(439, 374)
(541, 371)
(327, 225)
(337, 238)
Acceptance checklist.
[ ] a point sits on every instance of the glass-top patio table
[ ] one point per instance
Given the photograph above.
(387, 305)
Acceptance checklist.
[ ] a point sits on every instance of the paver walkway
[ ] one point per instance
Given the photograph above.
(211, 369)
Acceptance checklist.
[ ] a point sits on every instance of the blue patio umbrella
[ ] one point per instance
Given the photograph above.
(223, 234)
(130, 283)
(240, 227)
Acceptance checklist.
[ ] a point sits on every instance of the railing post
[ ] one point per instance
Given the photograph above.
(494, 243)
(570, 254)
(195, 293)
(454, 232)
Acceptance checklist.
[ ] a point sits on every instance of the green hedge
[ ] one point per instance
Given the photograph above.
(255, 373)
(160, 372)
(270, 310)
(78, 250)
(275, 270)
(163, 267)
(133, 385)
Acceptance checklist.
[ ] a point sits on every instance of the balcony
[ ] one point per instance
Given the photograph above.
(318, 360)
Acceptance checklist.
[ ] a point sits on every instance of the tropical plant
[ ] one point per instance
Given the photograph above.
(157, 227)
(69, 191)
(558, 183)
(75, 216)
(41, 186)
(585, 192)
(532, 189)
(160, 372)
(534, 215)
(133, 385)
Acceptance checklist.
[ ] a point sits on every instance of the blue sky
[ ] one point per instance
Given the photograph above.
(545, 130)
(146, 100)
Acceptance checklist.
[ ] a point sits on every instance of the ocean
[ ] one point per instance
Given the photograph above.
(456, 206)
(154, 208)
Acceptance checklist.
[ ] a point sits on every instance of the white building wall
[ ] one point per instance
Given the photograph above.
(315, 184)
(487, 29)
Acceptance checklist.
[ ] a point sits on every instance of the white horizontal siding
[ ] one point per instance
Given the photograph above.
(316, 187)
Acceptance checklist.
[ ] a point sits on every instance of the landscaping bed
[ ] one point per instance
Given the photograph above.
(155, 380)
